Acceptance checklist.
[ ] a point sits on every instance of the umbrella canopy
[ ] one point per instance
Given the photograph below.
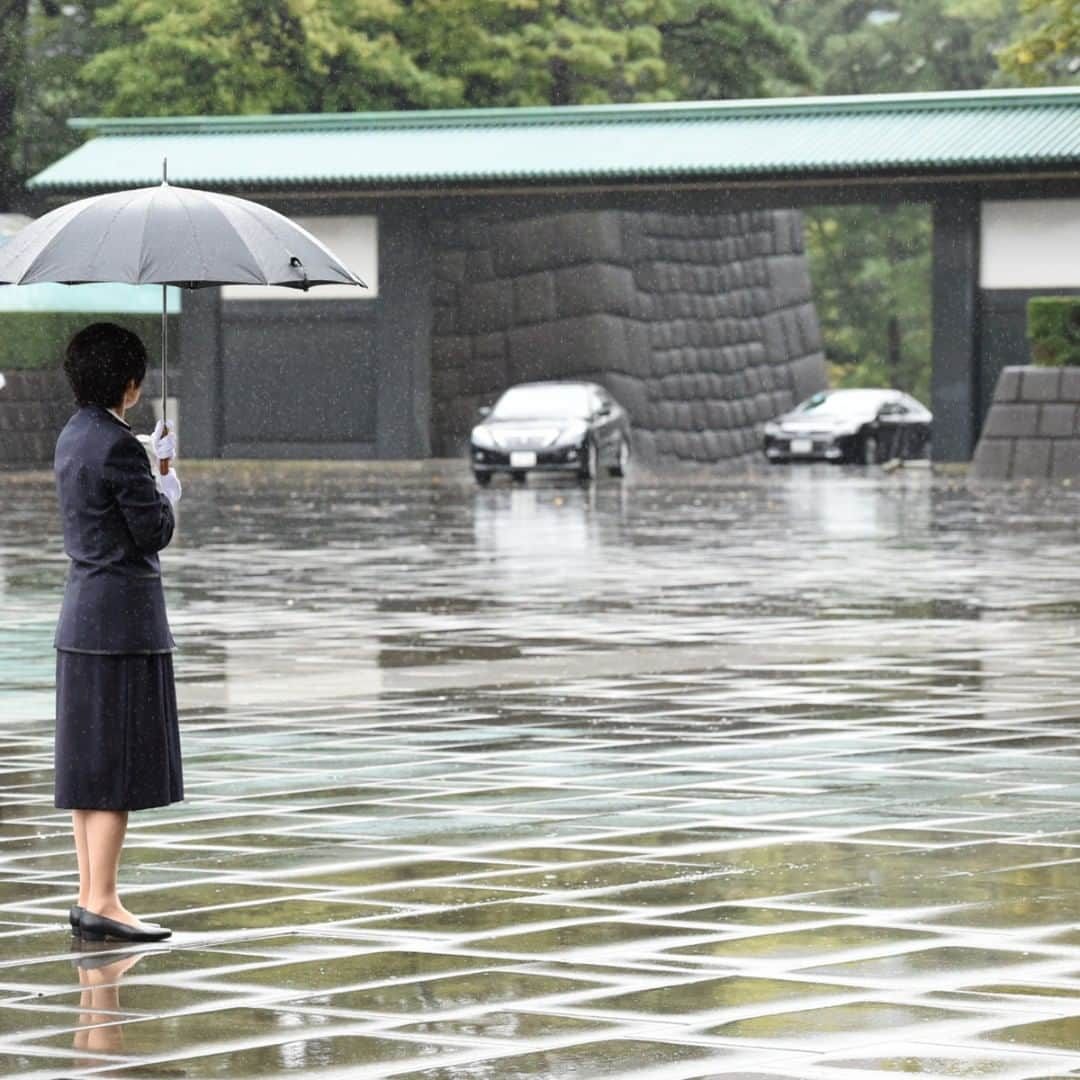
(164, 236)
(167, 235)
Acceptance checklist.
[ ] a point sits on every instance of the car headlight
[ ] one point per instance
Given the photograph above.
(482, 437)
(772, 429)
(572, 433)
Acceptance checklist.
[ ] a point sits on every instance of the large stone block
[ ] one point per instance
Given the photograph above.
(1040, 384)
(564, 348)
(451, 351)
(789, 278)
(491, 347)
(487, 306)
(1008, 385)
(559, 240)
(1065, 459)
(993, 459)
(1031, 459)
(444, 292)
(450, 266)
(1070, 383)
(1019, 420)
(597, 288)
(534, 298)
(1057, 420)
(808, 376)
(483, 377)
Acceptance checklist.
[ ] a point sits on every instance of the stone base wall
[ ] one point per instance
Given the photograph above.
(702, 326)
(1032, 431)
(34, 406)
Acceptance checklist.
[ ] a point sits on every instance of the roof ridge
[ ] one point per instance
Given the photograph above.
(569, 115)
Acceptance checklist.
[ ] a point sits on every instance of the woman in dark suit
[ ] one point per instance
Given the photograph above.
(117, 736)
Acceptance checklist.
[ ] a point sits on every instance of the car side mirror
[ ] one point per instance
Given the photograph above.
(484, 412)
(604, 410)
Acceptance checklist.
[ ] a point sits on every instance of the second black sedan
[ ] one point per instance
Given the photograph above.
(865, 427)
(568, 427)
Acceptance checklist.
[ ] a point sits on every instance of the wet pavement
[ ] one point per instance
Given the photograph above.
(773, 778)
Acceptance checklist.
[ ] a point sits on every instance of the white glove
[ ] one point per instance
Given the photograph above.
(164, 446)
(169, 486)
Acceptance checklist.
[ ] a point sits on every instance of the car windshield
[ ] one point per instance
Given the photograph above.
(542, 402)
(842, 403)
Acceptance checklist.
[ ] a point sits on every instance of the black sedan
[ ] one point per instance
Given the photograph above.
(865, 427)
(567, 427)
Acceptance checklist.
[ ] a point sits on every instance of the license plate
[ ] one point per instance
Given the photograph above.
(522, 459)
(802, 446)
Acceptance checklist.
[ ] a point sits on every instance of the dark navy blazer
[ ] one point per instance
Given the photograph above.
(115, 522)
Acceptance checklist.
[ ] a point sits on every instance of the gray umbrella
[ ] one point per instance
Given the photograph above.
(169, 235)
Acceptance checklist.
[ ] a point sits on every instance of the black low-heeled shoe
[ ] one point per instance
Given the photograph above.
(96, 927)
(75, 914)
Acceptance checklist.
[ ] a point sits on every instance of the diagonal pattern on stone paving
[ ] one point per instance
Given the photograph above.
(796, 845)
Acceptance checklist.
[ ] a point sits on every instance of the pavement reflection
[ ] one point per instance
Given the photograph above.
(98, 1032)
(770, 776)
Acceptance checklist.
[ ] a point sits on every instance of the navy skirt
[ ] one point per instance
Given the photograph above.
(117, 732)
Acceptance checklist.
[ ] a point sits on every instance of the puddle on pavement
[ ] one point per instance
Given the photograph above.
(484, 988)
(707, 995)
(722, 784)
(862, 1021)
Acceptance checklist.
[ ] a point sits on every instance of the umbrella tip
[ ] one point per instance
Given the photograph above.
(165, 170)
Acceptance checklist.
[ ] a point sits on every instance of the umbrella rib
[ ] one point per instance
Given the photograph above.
(194, 233)
(238, 204)
(108, 228)
(28, 238)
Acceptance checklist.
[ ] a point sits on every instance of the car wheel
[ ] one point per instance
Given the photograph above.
(520, 476)
(622, 462)
(590, 463)
(483, 478)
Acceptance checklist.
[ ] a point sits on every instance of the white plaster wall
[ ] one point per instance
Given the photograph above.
(354, 240)
(1030, 244)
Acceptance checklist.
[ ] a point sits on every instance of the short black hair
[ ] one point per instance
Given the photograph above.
(101, 360)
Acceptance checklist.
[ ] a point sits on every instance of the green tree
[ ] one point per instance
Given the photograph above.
(864, 47)
(59, 40)
(871, 271)
(871, 265)
(1048, 49)
(177, 57)
(243, 56)
(732, 49)
(13, 18)
(541, 52)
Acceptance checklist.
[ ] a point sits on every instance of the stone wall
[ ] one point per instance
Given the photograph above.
(702, 326)
(1032, 431)
(34, 406)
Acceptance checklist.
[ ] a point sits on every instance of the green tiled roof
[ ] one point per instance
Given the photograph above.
(1011, 131)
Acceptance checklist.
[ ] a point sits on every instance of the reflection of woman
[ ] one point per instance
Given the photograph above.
(117, 737)
(99, 1002)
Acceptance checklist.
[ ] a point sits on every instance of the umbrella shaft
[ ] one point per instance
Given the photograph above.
(164, 349)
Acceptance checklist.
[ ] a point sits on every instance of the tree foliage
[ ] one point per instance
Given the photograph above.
(13, 16)
(1048, 48)
(898, 46)
(871, 264)
(175, 57)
